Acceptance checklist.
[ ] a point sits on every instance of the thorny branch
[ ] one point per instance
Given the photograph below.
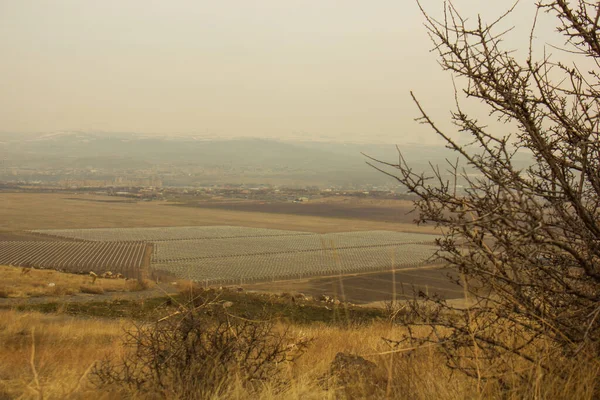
(526, 239)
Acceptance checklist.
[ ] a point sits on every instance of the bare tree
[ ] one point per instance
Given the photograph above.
(526, 240)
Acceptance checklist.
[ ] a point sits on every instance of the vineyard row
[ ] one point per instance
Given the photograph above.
(80, 257)
(164, 233)
(229, 232)
(297, 265)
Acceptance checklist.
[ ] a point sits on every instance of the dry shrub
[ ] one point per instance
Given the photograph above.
(60, 290)
(186, 287)
(91, 289)
(5, 292)
(199, 354)
(499, 356)
(137, 285)
(519, 205)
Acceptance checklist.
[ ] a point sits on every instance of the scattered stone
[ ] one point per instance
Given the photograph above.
(300, 296)
(355, 375)
(346, 362)
(227, 304)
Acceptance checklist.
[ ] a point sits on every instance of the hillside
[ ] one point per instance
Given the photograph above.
(181, 160)
(315, 350)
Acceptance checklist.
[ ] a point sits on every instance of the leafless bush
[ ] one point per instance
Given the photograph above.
(526, 239)
(394, 309)
(199, 353)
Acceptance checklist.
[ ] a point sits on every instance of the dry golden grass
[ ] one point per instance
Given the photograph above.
(58, 366)
(44, 282)
(49, 210)
(424, 378)
(66, 347)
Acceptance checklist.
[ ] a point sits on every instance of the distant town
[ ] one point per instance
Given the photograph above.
(151, 189)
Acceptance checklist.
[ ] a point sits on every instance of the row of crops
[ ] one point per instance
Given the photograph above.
(261, 257)
(162, 234)
(181, 250)
(78, 257)
(228, 254)
(294, 265)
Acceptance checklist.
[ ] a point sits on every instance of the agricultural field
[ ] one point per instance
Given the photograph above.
(394, 211)
(26, 211)
(79, 257)
(22, 236)
(222, 247)
(241, 269)
(163, 233)
(218, 255)
(257, 245)
(374, 288)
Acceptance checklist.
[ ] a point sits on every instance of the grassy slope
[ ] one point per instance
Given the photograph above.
(66, 347)
(39, 282)
(69, 339)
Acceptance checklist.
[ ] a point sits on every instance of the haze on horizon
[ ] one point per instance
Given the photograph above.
(267, 68)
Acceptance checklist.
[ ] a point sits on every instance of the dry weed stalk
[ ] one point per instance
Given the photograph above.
(36, 380)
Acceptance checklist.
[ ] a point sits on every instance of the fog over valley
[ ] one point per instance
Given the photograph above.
(189, 161)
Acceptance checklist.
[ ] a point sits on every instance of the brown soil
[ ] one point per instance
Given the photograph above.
(22, 211)
(22, 236)
(373, 287)
(399, 213)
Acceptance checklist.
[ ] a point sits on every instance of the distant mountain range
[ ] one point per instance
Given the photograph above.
(197, 160)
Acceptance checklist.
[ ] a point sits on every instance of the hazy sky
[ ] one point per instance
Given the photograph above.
(266, 68)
